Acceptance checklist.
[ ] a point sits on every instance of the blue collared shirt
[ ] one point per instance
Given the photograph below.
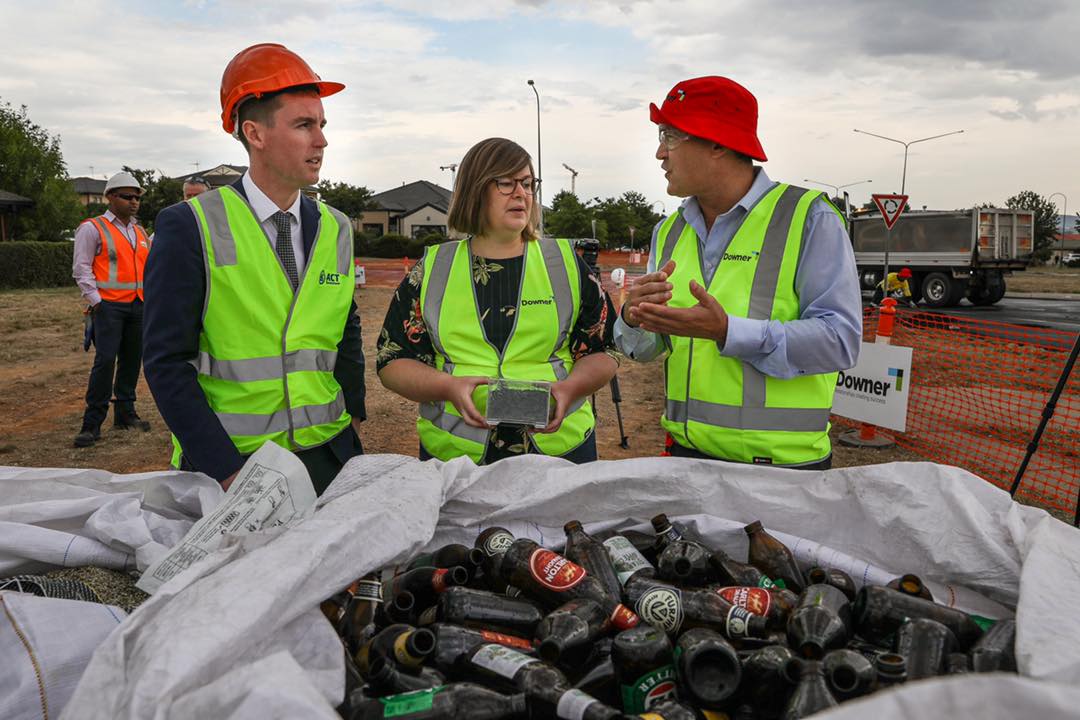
(828, 333)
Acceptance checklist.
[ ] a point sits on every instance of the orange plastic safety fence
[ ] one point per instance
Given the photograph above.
(978, 391)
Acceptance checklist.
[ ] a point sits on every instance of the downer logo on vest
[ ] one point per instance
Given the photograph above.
(539, 301)
(737, 257)
(326, 278)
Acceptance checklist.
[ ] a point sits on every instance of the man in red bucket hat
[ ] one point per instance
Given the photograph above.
(751, 291)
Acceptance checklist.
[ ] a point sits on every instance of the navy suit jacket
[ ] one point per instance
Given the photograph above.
(175, 287)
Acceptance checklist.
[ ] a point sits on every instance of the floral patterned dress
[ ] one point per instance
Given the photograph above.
(404, 334)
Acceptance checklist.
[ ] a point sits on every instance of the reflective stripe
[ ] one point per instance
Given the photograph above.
(560, 288)
(436, 278)
(344, 241)
(766, 277)
(672, 238)
(278, 422)
(110, 250)
(217, 229)
(750, 418)
(266, 368)
(453, 424)
(119, 286)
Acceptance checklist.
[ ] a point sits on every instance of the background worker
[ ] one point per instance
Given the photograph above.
(108, 263)
(501, 303)
(898, 287)
(751, 291)
(195, 186)
(252, 333)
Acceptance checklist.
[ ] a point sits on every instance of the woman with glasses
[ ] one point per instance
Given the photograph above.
(501, 303)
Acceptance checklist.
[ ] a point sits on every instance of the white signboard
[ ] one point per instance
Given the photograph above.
(361, 275)
(876, 390)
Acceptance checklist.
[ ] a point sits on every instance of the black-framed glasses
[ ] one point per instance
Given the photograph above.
(506, 185)
(130, 197)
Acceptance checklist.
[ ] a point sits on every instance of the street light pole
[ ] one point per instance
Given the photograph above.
(539, 161)
(1064, 215)
(837, 188)
(909, 143)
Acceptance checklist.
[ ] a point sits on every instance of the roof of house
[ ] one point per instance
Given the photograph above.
(413, 196)
(217, 176)
(10, 199)
(88, 186)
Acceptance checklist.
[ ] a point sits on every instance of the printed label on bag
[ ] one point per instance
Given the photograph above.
(756, 600)
(661, 607)
(572, 705)
(501, 660)
(736, 622)
(498, 543)
(410, 702)
(625, 558)
(508, 640)
(649, 689)
(553, 571)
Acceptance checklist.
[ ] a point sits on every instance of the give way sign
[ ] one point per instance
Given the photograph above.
(891, 207)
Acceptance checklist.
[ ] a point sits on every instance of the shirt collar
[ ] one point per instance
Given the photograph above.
(111, 217)
(263, 206)
(761, 185)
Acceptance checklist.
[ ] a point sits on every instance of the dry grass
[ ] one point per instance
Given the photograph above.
(1045, 280)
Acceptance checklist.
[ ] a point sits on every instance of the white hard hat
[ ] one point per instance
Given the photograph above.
(122, 180)
(618, 276)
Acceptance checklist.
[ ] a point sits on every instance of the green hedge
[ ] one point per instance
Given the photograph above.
(393, 246)
(35, 264)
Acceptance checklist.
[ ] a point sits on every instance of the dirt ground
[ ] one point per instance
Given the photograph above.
(1045, 280)
(43, 374)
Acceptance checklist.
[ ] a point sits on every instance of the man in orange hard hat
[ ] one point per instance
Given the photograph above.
(252, 333)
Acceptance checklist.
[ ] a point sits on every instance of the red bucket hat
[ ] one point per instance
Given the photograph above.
(713, 108)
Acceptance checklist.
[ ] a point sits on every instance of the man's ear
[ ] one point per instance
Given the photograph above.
(253, 133)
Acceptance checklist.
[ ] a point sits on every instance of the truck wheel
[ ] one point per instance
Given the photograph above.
(959, 290)
(869, 279)
(937, 290)
(987, 295)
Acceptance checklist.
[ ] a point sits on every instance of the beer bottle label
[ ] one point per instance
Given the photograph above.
(553, 571)
(368, 590)
(624, 618)
(438, 580)
(662, 608)
(756, 600)
(508, 640)
(572, 705)
(501, 660)
(498, 543)
(736, 622)
(649, 689)
(429, 616)
(769, 584)
(625, 558)
(410, 702)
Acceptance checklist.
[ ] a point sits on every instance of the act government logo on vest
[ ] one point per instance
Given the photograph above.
(739, 257)
(870, 388)
(538, 301)
(327, 278)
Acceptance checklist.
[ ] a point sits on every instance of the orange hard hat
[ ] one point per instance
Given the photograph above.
(261, 69)
(904, 273)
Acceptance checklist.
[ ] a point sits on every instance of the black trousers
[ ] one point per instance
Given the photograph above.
(583, 453)
(117, 360)
(677, 450)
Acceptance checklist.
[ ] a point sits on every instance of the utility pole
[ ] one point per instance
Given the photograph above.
(573, 179)
(909, 143)
(196, 164)
(452, 167)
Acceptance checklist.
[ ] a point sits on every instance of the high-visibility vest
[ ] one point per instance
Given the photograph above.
(118, 267)
(267, 354)
(537, 349)
(720, 405)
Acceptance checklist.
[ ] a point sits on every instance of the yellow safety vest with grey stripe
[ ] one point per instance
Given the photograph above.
(537, 349)
(720, 405)
(266, 354)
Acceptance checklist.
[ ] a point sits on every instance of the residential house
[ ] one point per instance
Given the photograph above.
(91, 191)
(228, 174)
(10, 204)
(415, 209)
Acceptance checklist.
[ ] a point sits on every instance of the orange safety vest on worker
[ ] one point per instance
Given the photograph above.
(118, 267)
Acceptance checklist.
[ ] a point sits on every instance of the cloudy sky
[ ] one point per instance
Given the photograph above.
(137, 84)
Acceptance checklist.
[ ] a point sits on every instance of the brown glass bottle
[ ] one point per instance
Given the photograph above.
(773, 558)
(401, 609)
(726, 569)
(644, 666)
(707, 668)
(821, 622)
(599, 681)
(849, 673)
(891, 670)
(666, 607)
(551, 579)
(493, 542)
(812, 694)
(449, 556)
(831, 576)
(910, 584)
(566, 634)
(686, 563)
(456, 701)
(590, 554)
(766, 680)
(878, 612)
(484, 610)
(957, 664)
(925, 645)
(385, 678)
(425, 583)
(774, 604)
(627, 559)
(405, 645)
(454, 643)
(995, 651)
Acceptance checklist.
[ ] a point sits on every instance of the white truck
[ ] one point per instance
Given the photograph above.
(951, 254)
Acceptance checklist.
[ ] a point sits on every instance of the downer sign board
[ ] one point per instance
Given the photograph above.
(876, 390)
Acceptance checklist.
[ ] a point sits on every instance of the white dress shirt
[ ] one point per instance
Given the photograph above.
(265, 208)
(87, 247)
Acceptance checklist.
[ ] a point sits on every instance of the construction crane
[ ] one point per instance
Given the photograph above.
(452, 167)
(573, 178)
